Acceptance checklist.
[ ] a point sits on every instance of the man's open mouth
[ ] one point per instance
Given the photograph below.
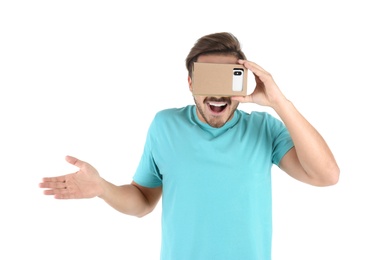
(217, 107)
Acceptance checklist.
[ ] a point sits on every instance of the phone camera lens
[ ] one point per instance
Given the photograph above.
(237, 73)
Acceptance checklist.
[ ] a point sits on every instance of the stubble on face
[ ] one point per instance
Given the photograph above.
(214, 119)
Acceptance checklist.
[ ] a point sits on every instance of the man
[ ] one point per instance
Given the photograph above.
(212, 165)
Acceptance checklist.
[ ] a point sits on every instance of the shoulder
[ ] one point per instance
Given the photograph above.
(170, 122)
(257, 116)
(172, 113)
(263, 120)
(172, 116)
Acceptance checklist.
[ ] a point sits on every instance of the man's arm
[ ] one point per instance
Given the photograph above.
(311, 160)
(131, 199)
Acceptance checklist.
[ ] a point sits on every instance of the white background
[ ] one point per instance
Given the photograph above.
(85, 78)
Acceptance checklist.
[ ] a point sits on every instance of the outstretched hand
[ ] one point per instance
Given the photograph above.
(85, 183)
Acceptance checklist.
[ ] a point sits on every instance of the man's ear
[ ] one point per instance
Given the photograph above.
(190, 83)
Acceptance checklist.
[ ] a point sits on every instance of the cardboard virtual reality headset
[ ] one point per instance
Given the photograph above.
(215, 79)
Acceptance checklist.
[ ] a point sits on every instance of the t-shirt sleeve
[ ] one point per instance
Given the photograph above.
(282, 141)
(147, 173)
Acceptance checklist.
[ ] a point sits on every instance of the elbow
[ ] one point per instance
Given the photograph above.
(330, 177)
(141, 214)
(334, 175)
(333, 180)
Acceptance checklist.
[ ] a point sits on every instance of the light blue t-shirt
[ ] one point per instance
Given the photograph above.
(216, 202)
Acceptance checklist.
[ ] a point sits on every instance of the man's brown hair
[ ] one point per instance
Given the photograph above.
(216, 43)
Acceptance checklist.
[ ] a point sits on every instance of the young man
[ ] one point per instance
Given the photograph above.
(212, 165)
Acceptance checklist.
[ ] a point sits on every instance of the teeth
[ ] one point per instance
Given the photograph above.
(217, 104)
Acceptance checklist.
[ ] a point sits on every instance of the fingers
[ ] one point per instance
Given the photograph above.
(256, 69)
(60, 194)
(56, 186)
(56, 192)
(60, 181)
(242, 99)
(53, 182)
(62, 187)
(251, 65)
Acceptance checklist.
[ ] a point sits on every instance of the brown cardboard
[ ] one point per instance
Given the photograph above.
(215, 79)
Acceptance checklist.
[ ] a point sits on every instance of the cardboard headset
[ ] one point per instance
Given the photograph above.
(216, 79)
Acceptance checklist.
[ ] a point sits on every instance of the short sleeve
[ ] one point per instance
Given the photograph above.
(282, 141)
(147, 173)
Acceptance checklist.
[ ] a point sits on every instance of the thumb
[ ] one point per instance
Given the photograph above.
(73, 160)
(242, 99)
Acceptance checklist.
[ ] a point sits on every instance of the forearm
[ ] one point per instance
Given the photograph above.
(127, 199)
(312, 151)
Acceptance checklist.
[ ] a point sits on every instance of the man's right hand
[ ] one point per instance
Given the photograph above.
(85, 183)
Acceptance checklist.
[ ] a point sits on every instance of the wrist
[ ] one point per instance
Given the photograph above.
(103, 188)
(280, 104)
